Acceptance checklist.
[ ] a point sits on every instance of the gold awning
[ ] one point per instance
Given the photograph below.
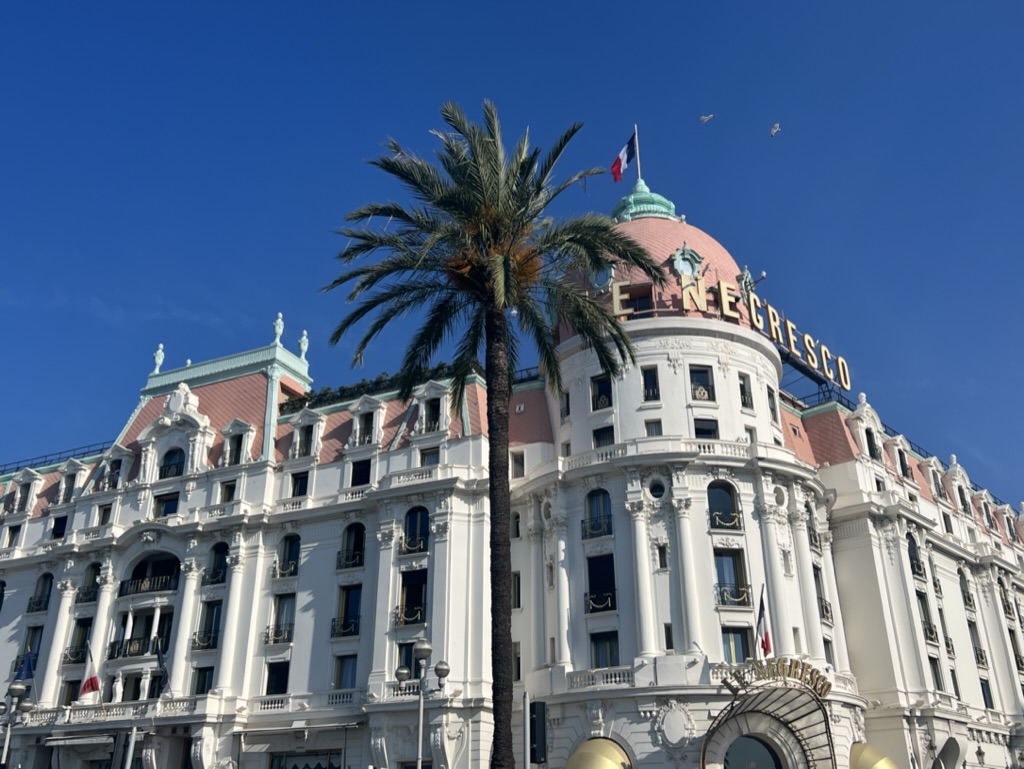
(863, 756)
(599, 753)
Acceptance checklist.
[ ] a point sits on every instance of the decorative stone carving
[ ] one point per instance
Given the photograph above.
(379, 747)
(150, 754)
(236, 561)
(595, 714)
(158, 359)
(674, 729)
(386, 536)
(189, 566)
(150, 537)
(278, 328)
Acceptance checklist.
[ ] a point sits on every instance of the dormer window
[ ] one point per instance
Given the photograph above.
(24, 492)
(114, 474)
(305, 440)
(433, 415)
(964, 506)
(366, 428)
(873, 451)
(69, 488)
(940, 493)
(235, 450)
(904, 466)
(173, 464)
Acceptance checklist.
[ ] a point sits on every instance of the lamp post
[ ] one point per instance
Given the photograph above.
(16, 696)
(421, 651)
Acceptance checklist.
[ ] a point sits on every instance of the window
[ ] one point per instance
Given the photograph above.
(604, 436)
(653, 428)
(76, 652)
(702, 383)
(300, 484)
(235, 450)
(283, 629)
(905, 470)
(638, 299)
(209, 626)
(723, 509)
(24, 492)
(417, 529)
(345, 671)
(216, 572)
(518, 463)
(166, 504)
(940, 493)
(662, 556)
(947, 522)
(202, 681)
(361, 472)
(60, 525)
(986, 694)
(305, 441)
(567, 449)
(40, 599)
(955, 682)
(705, 429)
(105, 511)
(600, 392)
(732, 588)
(564, 409)
(277, 677)
(366, 428)
(604, 649)
(69, 488)
(349, 611)
(516, 526)
(354, 551)
(517, 590)
(173, 464)
(598, 520)
(405, 657)
(669, 641)
(430, 457)
(288, 556)
(746, 394)
(227, 491)
(601, 581)
(735, 644)
(829, 653)
(433, 420)
(964, 506)
(773, 406)
(933, 664)
(517, 662)
(879, 483)
(651, 390)
(70, 693)
(413, 609)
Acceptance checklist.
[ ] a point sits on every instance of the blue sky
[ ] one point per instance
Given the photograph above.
(174, 173)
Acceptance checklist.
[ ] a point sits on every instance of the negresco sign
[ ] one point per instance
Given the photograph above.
(778, 669)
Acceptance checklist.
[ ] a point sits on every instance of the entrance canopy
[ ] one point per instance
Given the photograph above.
(599, 753)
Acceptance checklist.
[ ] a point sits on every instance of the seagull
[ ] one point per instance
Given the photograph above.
(706, 118)
(776, 128)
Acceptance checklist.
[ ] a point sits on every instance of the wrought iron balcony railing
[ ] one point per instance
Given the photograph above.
(205, 640)
(814, 538)
(38, 603)
(172, 470)
(411, 614)
(746, 400)
(279, 634)
(342, 627)
(135, 647)
(917, 568)
(216, 576)
(980, 657)
(148, 585)
(702, 392)
(652, 394)
(937, 584)
(20, 660)
(728, 520)
(599, 526)
(74, 655)
(931, 635)
(600, 401)
(597, 602)
(968, 600)
(732, 594)
(411, 545)
(285, 569)
(824, 609)
(950, 649)
(350, 559)
(87, 594)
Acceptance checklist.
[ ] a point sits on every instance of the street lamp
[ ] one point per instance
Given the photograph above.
(16, 695)
(421, 651)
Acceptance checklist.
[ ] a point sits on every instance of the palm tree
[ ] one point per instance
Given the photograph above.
(479, 259)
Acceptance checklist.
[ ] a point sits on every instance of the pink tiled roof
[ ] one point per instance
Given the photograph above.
(797, 440)
(533, 424)
(829, 437)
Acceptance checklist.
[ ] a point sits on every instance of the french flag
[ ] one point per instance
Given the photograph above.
(763, 636)
(92, 681)
(626, 156)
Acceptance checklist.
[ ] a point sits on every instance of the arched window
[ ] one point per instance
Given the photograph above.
(153, 573)
(173, 464)
(40, 599)
(89, 589)
(217, 567)
(916, 565)
(723, 507)
(353, 553)
(417, 528)
(598, 519)
(288, 556)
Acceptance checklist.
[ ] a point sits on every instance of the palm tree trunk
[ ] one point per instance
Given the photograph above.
(498, 394)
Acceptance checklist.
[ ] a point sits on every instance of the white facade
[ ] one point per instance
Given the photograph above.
(285, 560)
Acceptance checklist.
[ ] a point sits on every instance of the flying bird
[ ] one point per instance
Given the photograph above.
(706, 118)
(776, 128)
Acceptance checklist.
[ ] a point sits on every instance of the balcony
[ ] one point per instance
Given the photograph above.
(980, 657)
(652, 394)
(814, 538)
(937, 584)
(282, 569)
(134, 647)
(412, 545)
(599, 526)
(746, 400)
(1019, 661)
(342, 627)
(1008, 610)
(732, 594)
(279, 634)
(148, 585)
(968, 600)
(725, 520)
(205, 640)
(20, 660)
(600, 401)
(917, 568)
(825, 609)
(412, 614)
(87, 594)
(215, 576)
(586, 679)
(350, 559)
(950, 649)
(931, 635)
(702, 392)
(74, 655)
(172, 470)
(598, 602)
(38, 603)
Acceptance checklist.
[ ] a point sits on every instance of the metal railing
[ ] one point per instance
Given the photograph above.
(205, 640)
(148, 585)
(410, 545)
(937, 584)
(279, 634)
(652, 394)
(814, 538)
(350, 559)
(172, 470)
(729, 520)
(701, 392)
(87, 594)
(38, 603)
(74, 655)
(412, 614)
(600, 401)
(917, 568)
(135, 647)
(53, 458)
(931, 635)
(343, 628)
(601, 526)
(20, 660)
(980, 657)
(968, 600)
(283, 569)
(732, 594)
(215, 576)
(825, 609)
(746, 400)
(950, 648)
(598, 602)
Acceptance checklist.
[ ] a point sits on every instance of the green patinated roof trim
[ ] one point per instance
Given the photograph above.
(641, 202)
(821, 408)
(231, 367)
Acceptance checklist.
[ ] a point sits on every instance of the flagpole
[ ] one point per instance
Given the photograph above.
(636, 133)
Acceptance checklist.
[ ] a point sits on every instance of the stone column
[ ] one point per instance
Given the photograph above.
(100, 635)
(384, 664)
(645, 609)
(808, 595)
(781, 627)
(51, 672)
(692, 637)
(839, 631)
(182, 639)
(228, 654)
(562, 652)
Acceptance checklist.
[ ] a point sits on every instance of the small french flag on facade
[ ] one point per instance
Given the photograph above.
(626, 156)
